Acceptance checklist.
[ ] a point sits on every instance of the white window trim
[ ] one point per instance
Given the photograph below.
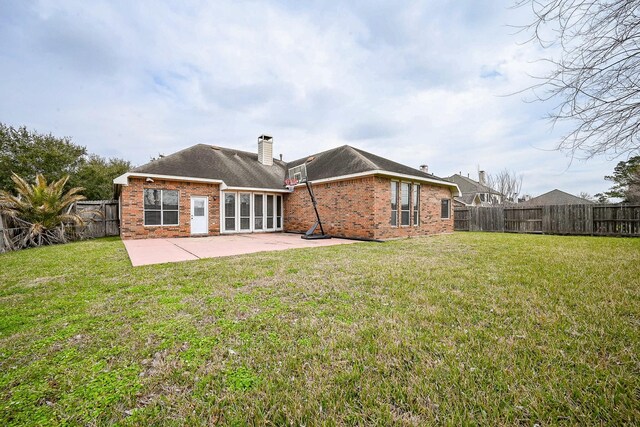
(415, 219)
(400, 210)
(397, 205)
(252, 217)
(161, 210)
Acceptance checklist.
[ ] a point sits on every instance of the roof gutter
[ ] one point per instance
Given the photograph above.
(124, 178)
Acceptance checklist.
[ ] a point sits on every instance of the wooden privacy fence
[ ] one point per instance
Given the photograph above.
(596, 220)
(101, 218)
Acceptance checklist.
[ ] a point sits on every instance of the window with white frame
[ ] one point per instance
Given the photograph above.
(416, 204)
(245, 211)
(405, 213)
(229, 211)
(394, 204)
(278, 211)
(160, 207)
(445, 209)
(257, 212)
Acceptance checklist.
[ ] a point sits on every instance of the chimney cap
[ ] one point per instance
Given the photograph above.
(265, 137)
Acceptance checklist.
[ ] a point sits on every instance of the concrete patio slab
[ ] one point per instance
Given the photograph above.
(158, 251)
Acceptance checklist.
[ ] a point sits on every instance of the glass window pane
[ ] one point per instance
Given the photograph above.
(257, 212)
(230, 224)
(405, 218)
(404, 196)
(152, 218)
(245, 204)
(394, 195)
(258, 205)
(269, 211)
(170, 200)
(416, 205)
(244, 223)
(198, 207)
(229, 205)
(270, 205)
(152, 199)
(394, 203)
(170, 218)
(444, 212)
(278, 211)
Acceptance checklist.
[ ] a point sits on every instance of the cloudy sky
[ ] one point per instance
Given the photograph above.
(417, 82)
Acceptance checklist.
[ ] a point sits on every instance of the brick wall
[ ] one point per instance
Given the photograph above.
(361, 208)
(132, 212)
(430, 204)
(345, 207)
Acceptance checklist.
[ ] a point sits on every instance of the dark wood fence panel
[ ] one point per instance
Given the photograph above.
(600, 220)
(101, 216)
(522, 220)
(615, 221)
(461, 219)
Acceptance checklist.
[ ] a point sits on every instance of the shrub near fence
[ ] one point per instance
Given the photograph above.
(101, 218)
(596, 220)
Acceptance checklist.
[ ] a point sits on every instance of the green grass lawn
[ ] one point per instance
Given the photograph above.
(470, 328)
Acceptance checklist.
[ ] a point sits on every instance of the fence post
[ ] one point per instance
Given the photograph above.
(2, 248)
(588, 213)
(546, 219)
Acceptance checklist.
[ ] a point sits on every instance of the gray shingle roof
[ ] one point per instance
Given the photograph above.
(242, 169)
(469, 186)
(236, 168)
(347, 160)
(556, 197)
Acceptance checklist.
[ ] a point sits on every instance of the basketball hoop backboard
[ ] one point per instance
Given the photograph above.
(298, 173)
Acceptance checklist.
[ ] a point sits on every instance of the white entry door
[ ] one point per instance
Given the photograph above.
(199, 216)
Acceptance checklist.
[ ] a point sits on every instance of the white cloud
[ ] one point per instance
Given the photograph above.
(421, 83)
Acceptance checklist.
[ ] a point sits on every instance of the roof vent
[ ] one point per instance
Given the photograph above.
(310, 159)
(215, 147)
(265, 150)
(424, 168)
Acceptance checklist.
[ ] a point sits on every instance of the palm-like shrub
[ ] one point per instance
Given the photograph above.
(41, 211)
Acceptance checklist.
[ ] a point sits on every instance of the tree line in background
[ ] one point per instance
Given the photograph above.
(28, 153)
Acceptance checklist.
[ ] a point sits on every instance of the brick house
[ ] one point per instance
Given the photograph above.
(209, 190)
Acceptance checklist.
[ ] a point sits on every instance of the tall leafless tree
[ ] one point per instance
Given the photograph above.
(596, 78)
(507, 183)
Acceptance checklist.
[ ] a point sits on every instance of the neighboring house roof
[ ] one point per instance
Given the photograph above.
(468, 185)
(236, 168)
(471, 190)
(556, 197)
(242, 169)
(468, 199)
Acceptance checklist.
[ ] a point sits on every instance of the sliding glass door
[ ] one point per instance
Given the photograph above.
(249, 212)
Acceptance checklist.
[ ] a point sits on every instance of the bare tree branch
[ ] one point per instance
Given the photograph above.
(507, 184)
(597, 77)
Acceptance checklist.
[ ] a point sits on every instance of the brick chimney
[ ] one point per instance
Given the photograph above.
(265, 150)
